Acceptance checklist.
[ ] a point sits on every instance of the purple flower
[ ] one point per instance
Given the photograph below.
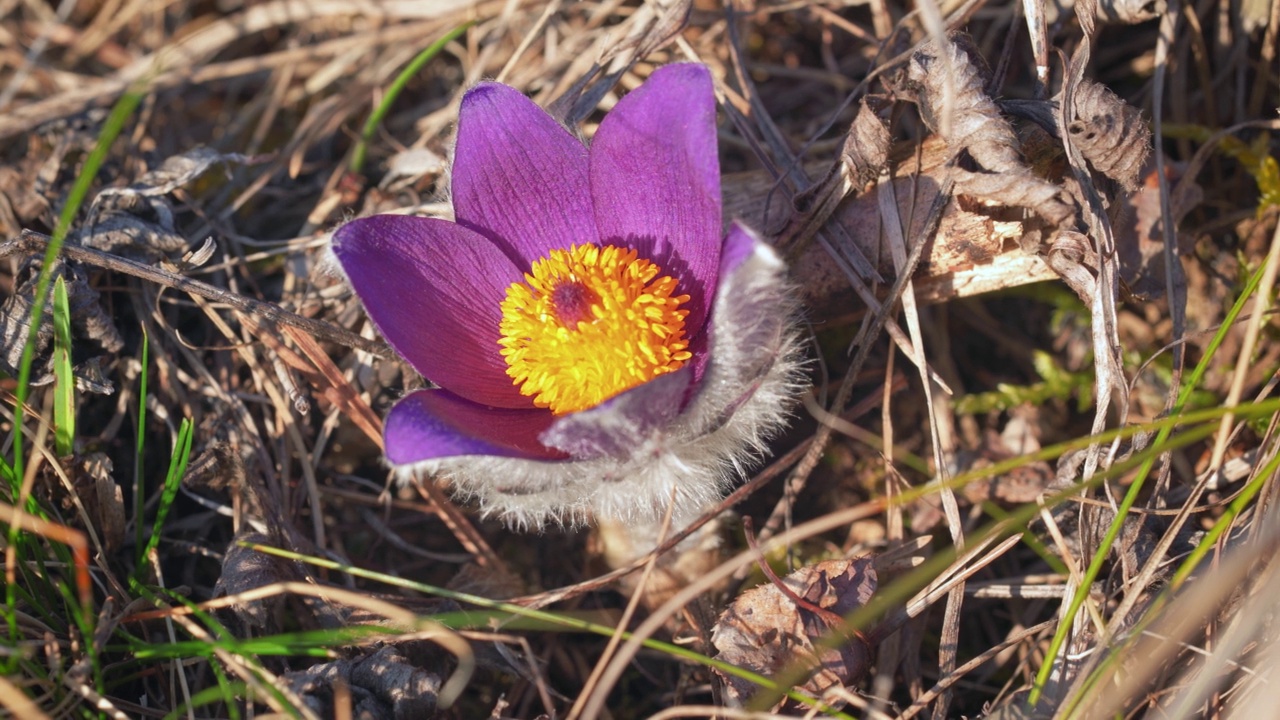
(599, 344)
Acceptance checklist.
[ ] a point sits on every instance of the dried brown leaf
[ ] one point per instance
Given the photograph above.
(1072, 256)
(1130, 12)
(245, 569)
(103, 498)
(1140, 232)
(88, 322)
(989, 164)
(382, 686)
(866, 148)
(766, 631)
(118, 222)
(1111, 134)
(96, 492)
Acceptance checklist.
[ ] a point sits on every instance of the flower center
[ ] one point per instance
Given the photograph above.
(588, 323)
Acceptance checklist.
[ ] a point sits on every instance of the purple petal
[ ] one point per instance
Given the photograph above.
(434, 288)
(518, 176)
(655, 180)
(738, 245)
(621, 425)
(431, 424)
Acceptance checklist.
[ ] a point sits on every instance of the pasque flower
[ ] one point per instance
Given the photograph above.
(599, 344)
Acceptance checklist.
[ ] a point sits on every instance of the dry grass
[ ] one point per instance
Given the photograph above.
(285, 413)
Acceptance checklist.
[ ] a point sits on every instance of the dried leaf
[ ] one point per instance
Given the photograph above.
(117, 224)
(1072, 256)
(88, 321)
(866, 148)
(410, 167)
(33, 185)
(98, 493)
(1111, 134)
(382, 686)
(177, 171)
(116, 229)
(1130, 12)
(107, 499)
(225, 457)
(766, 631)
(1022, 484)
(20, 204)
(989, 165)
(245, 569)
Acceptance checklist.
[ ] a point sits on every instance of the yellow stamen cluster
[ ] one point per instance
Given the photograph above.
(588, 323)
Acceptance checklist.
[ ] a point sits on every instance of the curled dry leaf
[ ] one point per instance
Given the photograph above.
(180, 170)
(866, 147)
(1113, 12)
(383, 686)
(1111, 134)
(95, 491)
(245, 569)
(1130, 12)
(989, 165)
(1072, 256)
(88, 322)
(766, 631)
(120, 228)
(118, 222)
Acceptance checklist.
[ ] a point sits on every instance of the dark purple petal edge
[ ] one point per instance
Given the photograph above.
(434, 289)
(432, 424)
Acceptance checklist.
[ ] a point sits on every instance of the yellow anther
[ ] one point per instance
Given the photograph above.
(588, 323)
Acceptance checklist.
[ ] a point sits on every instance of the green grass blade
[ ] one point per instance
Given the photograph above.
(393, 92)
(172, 480)
(224, 692)
(139, 492)
(1131, 496)
(64, 388)
(1162, 601)
(499, 609)
(111, 129)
